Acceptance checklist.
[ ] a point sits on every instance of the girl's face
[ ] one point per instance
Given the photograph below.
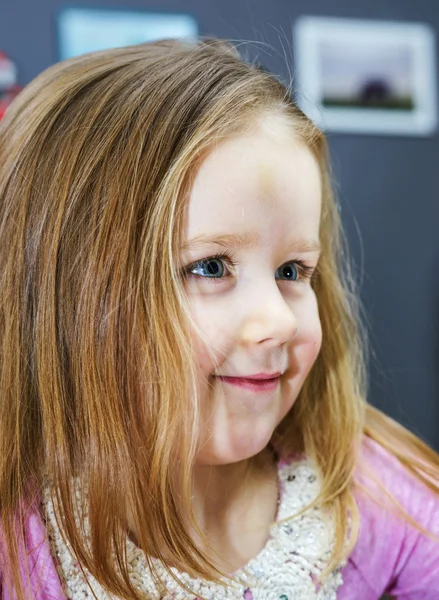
(250, 246)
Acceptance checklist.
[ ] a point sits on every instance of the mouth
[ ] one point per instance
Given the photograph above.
(255, 383)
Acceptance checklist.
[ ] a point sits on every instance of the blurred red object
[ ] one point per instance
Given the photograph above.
(8, 82)
(7, 97)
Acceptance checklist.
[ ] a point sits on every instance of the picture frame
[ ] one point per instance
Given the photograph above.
(81, 29)
(364, 76)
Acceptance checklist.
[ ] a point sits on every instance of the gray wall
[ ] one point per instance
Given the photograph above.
(387, 185)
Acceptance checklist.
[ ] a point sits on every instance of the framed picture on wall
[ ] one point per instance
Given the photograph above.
(374, 77)
(81, 30)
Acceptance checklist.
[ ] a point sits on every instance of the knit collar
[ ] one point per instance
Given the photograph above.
(288, 567)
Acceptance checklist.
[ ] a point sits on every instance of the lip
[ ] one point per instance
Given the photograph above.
(256, 376)
(260, 382)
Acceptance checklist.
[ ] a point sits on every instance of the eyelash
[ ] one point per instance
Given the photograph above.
(304, 271)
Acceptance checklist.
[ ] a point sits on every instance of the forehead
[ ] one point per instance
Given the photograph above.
(264, 181)
(266, 178)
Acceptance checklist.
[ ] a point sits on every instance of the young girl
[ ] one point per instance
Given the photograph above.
(183, 412)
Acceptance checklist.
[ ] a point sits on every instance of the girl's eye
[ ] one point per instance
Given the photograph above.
(213, 268)
(296, 270)
(289, 272)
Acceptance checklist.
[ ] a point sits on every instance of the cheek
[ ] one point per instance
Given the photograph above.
(311, 349)
(309, 338)
(211, 337)
(314, 340)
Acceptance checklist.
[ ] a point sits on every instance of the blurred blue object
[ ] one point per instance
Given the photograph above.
(82, 30)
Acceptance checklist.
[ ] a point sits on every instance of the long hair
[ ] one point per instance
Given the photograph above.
(97, 376)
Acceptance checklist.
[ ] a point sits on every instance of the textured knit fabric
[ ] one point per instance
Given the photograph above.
(391, 556)
(294, 557)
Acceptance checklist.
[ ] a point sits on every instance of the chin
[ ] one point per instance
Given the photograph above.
(235, 446)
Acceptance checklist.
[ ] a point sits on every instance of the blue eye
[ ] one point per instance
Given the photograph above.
(289, 272)
(209, 267)
(221, 266)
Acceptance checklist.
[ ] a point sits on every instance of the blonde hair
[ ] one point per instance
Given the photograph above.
(96, 367)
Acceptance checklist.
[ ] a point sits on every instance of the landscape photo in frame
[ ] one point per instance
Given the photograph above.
(373, 77)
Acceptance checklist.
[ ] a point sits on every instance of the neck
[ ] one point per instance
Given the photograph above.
(235, 506)
(216, 488)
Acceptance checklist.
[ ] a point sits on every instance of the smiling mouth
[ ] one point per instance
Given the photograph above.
(254, 385)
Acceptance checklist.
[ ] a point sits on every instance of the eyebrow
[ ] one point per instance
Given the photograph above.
(247, 240)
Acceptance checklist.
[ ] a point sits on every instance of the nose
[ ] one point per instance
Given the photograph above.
(268, 319)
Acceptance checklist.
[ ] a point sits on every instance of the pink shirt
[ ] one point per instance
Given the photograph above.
(390, 556)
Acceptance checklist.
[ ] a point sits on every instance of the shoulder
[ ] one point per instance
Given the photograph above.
(392, 554)
(379, 472)
(44, 580)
